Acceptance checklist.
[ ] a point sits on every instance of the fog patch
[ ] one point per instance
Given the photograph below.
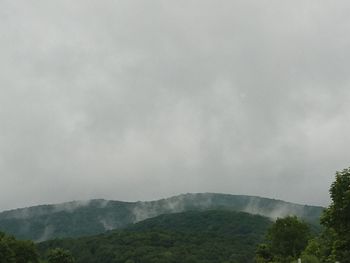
(47, 234)
(70, 206)
(273, 210)
(37, 211)
(102, 203)
(107, 224)
(26, 213)
(143, 211)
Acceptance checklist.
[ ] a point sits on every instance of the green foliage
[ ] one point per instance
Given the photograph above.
(308, 259)
(25, 251)
(17, 251)
(333, 244)
(286, 239)
(322, 246)
(6, 253)
(314, 248)
(336, 217)
(190, 237)
(263, 254)
(59, 255)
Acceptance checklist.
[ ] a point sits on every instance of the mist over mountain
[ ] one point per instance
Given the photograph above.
(110, 102)
(82, 218)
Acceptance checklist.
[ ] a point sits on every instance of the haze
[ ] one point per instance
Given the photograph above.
(139, 100)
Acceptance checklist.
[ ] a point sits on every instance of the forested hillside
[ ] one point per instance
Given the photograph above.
(207, 236)
(77, 219)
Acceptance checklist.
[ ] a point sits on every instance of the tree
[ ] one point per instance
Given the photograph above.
(286, 239)
(59, 255)
(337, 216)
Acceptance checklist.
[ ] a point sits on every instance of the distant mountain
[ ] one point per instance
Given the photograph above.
(195, 236)
(75, 219)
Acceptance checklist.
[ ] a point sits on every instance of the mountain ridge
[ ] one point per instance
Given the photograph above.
(82, 201)
(82, 218)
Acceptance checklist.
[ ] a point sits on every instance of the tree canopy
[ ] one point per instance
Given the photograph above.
(336, 217)
(197, 236)
(59, 255)
(17, 251)
(333, 244)
(286, 239)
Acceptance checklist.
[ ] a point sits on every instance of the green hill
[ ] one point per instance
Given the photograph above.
(75, 219)
(195, 236)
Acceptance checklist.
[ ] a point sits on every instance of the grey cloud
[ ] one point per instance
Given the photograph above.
(139, 100)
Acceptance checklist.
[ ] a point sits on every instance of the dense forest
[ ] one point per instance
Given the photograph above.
(208, 236)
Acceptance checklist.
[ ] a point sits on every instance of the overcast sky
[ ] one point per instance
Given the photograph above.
(138, 100)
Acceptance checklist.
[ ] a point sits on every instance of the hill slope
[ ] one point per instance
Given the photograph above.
(195, 236)
(76, 219)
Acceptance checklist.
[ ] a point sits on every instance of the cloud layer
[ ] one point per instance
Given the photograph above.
(145, 99)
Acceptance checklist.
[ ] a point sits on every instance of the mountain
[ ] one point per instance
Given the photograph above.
(79, 218)
(194, 236)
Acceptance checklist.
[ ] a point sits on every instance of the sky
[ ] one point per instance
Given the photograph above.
(140, 100)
